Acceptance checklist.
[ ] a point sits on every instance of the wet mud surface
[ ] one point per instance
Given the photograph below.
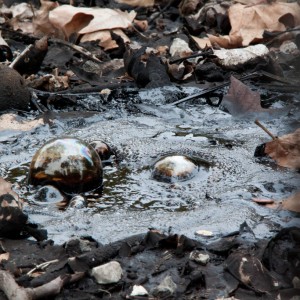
(142, 128)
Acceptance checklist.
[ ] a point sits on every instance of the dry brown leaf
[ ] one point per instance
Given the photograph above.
(285, 150)
(14, 122)
(188, 7)
(292, 203)
(248, 23)
(85, 20)
(41, 23)
(106, 41)
(240, 99)
(138, 3)
(202, 42)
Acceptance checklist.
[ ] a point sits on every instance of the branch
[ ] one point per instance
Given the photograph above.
(15, 292)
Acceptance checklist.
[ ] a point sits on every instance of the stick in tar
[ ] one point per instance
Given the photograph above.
(30, 60)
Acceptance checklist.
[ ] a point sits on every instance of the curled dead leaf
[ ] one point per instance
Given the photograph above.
(138, 3)
(85, 20)
(285, 150)
(248, 23)
(14, 122)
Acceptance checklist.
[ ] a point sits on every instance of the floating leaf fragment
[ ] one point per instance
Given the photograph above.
(240, 99)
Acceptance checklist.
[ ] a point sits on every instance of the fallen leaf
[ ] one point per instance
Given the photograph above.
(84, 20)
(138, 3)
(41, 23)
(292, 203)
(188, 7)
(202, 42)
(240, 99)
(285, 150)
(248, 23)
(14, 122)
(105, 38)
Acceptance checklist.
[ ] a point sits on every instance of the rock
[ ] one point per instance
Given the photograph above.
(138, 290)
(166, 288)
(199, 257)
(13, 92)
(204, 232)
(108, 273)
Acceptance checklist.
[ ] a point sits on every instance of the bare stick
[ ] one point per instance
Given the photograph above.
(10, 288)
(76, 48)
(265, 129)
(15, 292)
(42, 266)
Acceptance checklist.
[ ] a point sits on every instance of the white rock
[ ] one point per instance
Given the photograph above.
(108, 273)
(199, 257)
(138, 290)
(233, 57)
(288, 47)
(204, 232)
(166, 288)
(180, 46)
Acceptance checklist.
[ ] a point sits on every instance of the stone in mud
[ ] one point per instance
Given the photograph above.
(13, 92)
(138, 290)
(174, 168)
(199, 257)
(166, 288)
(108, 273)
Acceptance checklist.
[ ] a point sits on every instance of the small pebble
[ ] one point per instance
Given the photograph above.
(138, 290)
(166, 288)
(199, 257)
(204, 232)
(108, 273)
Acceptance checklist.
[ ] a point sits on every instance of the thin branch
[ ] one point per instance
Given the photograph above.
(209, 90)
(42, 266)
(15, 292)
(265, 129)
(76, 48)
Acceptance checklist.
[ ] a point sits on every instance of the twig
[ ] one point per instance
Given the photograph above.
(15, 292)
(161, 11)
(206, 91)
(182, 59)
(265, 129)
(76, 48)
(42, 266)
(22, 55)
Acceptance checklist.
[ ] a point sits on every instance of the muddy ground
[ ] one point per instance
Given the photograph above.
(142, 128)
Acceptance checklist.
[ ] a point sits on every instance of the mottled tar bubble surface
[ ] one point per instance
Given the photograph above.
(218, 198)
